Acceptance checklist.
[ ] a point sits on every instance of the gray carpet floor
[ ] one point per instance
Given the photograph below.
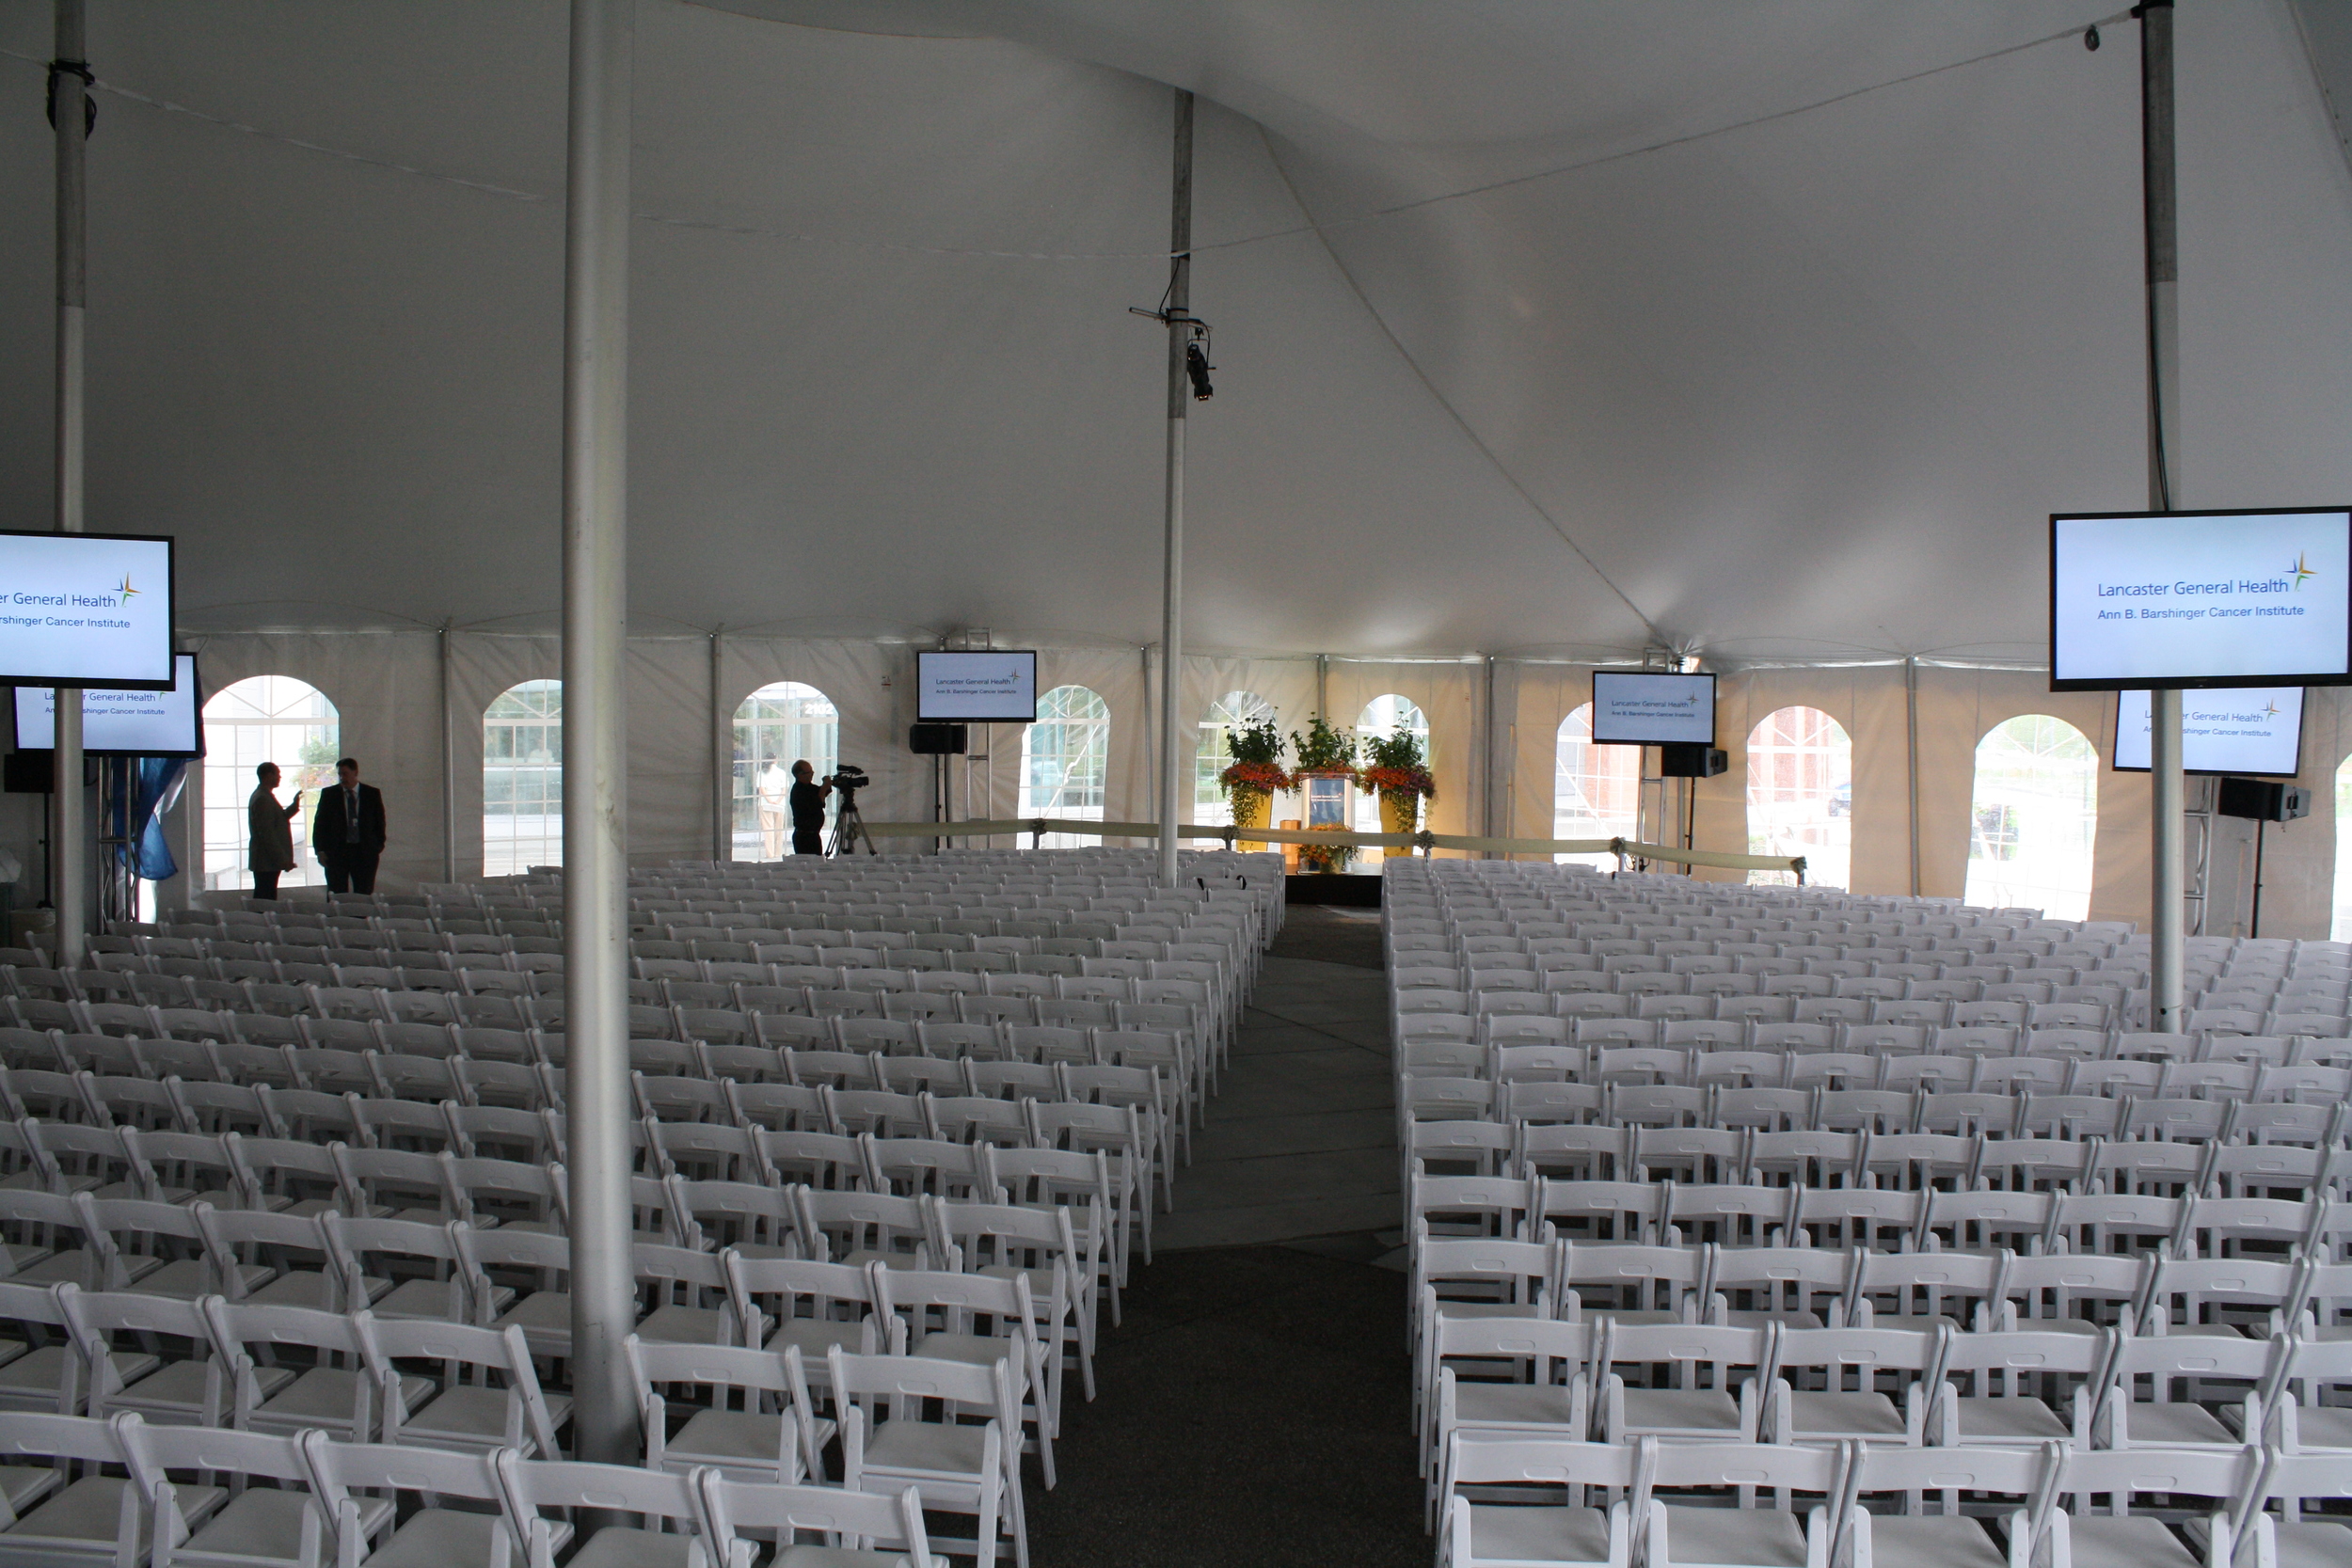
(1255, 1405)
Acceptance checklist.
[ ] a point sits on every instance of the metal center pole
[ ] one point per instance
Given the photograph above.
(1172, 598)
(69, 835)
(2168, 907)
(596, 846)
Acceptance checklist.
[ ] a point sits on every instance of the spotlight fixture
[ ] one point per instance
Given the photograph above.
(2090, 39)
(1196, 366)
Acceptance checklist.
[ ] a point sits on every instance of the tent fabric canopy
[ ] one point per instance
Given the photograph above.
(1768, 332)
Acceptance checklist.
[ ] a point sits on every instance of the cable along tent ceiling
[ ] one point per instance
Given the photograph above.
(1770, 331)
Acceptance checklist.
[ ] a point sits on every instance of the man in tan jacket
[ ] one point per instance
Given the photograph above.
(269, 827)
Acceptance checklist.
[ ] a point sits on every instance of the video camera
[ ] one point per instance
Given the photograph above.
(845, 778)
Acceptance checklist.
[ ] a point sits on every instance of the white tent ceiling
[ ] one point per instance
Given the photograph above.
(1771, 329)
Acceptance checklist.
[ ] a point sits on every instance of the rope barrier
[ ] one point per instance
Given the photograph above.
(1625, 849)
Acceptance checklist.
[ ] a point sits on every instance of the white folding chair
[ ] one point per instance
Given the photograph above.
(357, 1479)
(89, 1518)
(1524, 1526)
(756, 1421)
(531, 1487)
(958, 1467)
(859, 1526)
(1728, 1530)
(487, 1394)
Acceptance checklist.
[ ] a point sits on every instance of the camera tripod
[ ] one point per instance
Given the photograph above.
(848, 827)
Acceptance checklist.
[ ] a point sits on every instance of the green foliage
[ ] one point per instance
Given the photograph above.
(1257, 743)
(319, 752)
(1401, 750)
(1324, 749)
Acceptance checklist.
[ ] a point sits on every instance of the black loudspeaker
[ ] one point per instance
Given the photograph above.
(35, 773)
(1691, 761)
(936, 740)
(2264, 799)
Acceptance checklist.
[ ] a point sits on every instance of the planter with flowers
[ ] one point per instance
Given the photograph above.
(1326, 776)
(1401, 775)
(1255, 777)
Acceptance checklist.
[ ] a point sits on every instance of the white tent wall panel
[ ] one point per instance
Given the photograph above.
(385, 688)
(1448, 693)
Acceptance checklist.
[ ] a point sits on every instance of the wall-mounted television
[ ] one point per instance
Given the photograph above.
(2198, 600)
(121, 721)
(1640, 708)
(86, 610)
(2255, 731)
(976, 686)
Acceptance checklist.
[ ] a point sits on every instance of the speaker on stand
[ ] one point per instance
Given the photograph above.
(2261, 801)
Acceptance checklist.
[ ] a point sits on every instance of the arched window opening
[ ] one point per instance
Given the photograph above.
(1065, 761)
(1595, 790)
(779, 725)
(264, 718)
(1215, 753)
(1384, 718)
(2032, 817)
(522, 779)
(1801, 795)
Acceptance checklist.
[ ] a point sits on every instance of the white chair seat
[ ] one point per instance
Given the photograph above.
(1731, 1538)
(1819, 1416)
(23, 1485)
(263, 1524)
(72, 1268)
(2313, 1546)
(18, 1254)
(674, 1325)
(323, 1397)
(1681, 1410)
(174, 1393)
(974, 1350)
(472, 1417)
(2178, 1425)
(926, 1448)
(2316, 1426)
(310, 1289)
(443, 1538)
(546, 1318)
(1544, 1533)
(2134, 1543)
(815, 1337)
(80, 1522)
(1513, 1405)
(431, 1301)
(2019, 1418)
(743, 1444)
(31, 1381)
(619, 1546)
(186, 1278)
(1933, 1542)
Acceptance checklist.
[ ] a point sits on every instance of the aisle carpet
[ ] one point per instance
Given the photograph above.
(1255, 1406)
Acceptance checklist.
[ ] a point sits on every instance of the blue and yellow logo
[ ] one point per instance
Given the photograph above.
(2301, 569)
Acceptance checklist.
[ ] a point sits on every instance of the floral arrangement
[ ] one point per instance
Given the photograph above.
(1257, 751)
(1327, 857)
(1325, 749)
(1397, 766)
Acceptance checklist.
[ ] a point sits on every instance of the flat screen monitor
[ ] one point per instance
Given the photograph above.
(2206, 599)
(86, 610)
(119, 721)
(2253, 731)
(976, 687)
(1636, 709)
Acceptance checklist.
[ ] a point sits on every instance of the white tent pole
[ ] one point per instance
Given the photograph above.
(69, 834)
(1179, 308)
(722, 758)
(448, 757)
(595, 847)
(1911, 764)
(2168, 922)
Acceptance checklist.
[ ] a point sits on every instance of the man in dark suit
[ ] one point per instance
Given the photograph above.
(348, 831)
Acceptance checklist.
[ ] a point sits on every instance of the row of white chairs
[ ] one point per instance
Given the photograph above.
(1977, 1162)
(2023, 1115)
(1513, 1498)
(208, 1497)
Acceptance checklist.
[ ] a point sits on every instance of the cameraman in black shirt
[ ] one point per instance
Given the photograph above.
(808, 810)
